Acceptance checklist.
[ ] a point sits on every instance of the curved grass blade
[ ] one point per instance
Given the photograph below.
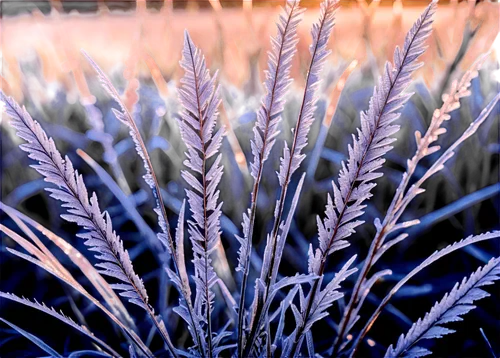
(430, 260)
(60, 316)
(34, 339)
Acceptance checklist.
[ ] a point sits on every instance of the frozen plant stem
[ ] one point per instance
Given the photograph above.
(365, 157)
(265, 131)
(430, 260)
(165, 236)
(87, 214)
(200, 98)
(454, 304)
(401, 198)
(292, 158)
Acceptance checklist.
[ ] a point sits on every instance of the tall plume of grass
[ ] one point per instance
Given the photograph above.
(403, 197)
(292, 158)
(265, 132)
(365, 158)
(85, 212)
(200, 98)
(174, 247)
(450, 309)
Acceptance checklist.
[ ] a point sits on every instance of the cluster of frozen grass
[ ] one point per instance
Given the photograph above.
(236, 312)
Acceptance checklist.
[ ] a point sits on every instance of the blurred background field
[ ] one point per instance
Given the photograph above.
(139, 45)
(145, 37)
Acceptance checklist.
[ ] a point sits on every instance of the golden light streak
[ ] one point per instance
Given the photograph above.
(333, 99)
(239, 157)
(247, 5)
(156, 74)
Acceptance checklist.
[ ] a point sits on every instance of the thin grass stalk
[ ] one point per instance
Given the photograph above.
(150, 177)
(230, 301)
(490, 348)
(293, 157)
(20, 219)
(34, 339)
(66, 277)
(99, 283)
(65, 319)
(199, 95)
(205, 229)
(430, 260)
(265, 131)
(304, 122)
(396, 209)
(83, 212)
(382, 105)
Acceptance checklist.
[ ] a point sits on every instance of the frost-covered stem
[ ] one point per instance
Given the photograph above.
(86, 267)
(297, 342)
(49, 263)
(354, 297)
(61, 316)
(205, 212)
(200, 98)
(363, 157)
(283, 196)
(309, 95)
(187, 300)
(152, 182)
(163, 332)
(430, 260)
(398, 204)
(243, 348)
(341, 215)
(452, 306)
(319, 309)
(89, 217)
(379, 110)
(363, 273)
(244, 282)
